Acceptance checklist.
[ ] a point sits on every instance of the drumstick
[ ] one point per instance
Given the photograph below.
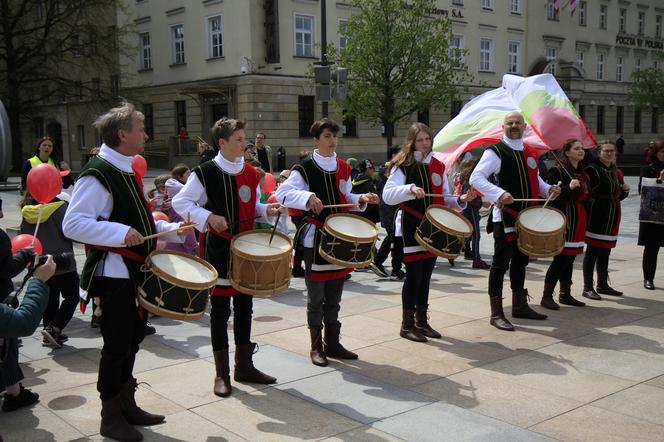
(335, 206)
(550, 195)
(525, 200)
(562, 166)
(166, 232)
(276, 223)
(444, 196)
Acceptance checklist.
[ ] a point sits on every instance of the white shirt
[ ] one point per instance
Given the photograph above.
(297, 193)
(489, 164)
(89, 209)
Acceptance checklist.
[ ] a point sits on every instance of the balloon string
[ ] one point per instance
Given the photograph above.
(34, 237)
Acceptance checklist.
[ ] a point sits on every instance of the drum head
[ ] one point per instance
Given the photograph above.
(449, 219)
(257, 243)
(541, 219)
(351, 226)
(183, 268)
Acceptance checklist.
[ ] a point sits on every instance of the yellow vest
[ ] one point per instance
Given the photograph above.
(36, 161)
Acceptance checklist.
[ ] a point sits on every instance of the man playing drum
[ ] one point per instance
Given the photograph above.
(515, 167)
(221, 197)
(108, 211)
(323, 179)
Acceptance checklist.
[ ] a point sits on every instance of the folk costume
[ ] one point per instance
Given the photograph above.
(229, 189)
(515, 168)
(427, 173)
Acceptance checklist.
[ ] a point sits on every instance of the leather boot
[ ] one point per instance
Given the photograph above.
(331, 344)
(244, 366)
(114, 424)
(588, 290)
(422, 322)
(603, 285)
(520, 307)
(408, 329)
(565, 297)
(317, 354)
(132, 412)
(498, 318)
(547, 297)
(222, 380)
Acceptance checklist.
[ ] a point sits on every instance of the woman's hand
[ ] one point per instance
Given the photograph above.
(574, 184)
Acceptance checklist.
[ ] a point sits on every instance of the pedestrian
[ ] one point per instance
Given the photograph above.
(472, 213)
(263, 152)
(651, 234)
(45, 154)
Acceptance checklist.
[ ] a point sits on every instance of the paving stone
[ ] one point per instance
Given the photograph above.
(35, 423)
(640, 401)
(364, 434)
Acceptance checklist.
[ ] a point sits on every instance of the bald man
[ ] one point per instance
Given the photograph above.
(514, 167)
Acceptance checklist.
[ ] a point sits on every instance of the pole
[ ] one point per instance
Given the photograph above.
(323, 43)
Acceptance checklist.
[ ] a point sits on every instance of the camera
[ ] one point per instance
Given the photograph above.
(62, 260)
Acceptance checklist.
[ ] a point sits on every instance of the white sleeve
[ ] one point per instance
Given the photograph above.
(261, 209)
(190, 200)
(395, 190)
(354, 198)
(451, 201)
(296, 191)
(488, 165)
(543, 187)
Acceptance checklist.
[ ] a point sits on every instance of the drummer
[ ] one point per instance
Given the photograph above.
(416, 174)
(322, 179)
(221, 196)
(515, 167)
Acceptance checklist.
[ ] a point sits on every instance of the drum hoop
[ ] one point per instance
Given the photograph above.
(180, 282)
(241, 254)
(344, 264)
(529, 230)
(349, 238)
(170, 314)
(447, 229)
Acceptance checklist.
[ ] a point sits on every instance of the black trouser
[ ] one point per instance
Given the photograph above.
(10, 370)
(415, 290)
(560, 269)
(396, 245)
(506, 255)
(596, 256)
(650, 261)
(57, 314)
(123, 330)
(323, 297)
(221, 312)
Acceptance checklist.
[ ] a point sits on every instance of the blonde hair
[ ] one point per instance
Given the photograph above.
(116, 119)
(405, 156)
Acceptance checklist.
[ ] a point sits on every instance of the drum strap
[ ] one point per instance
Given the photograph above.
(411, 211)
(314, 221)
(224, 234)
(511, 211)
(121, 251)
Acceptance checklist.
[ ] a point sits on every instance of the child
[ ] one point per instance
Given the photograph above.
(174, 184)
(472, 212)
(158, 198)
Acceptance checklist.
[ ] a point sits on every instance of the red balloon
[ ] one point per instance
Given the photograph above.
(24, 241)
(139, 166)
(160, 216)
(44, 182)
(269, 184)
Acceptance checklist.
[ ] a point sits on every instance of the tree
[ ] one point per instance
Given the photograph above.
(647, 87)
(399, 60)
(52, 51)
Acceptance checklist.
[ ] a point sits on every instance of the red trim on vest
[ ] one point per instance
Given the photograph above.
(247, 210)
(533, 173)
(409, 210)
(417, 256)
(225, 234)
(510, 237)
(311, 220)
(121, 251)
(603, 244)
(436, 166)
(329, 274)
(343, 173)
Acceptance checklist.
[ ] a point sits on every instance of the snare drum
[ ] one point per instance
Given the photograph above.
(443, 231)
(176, 285)
(541, 231)
(258, 267)
(348, 240)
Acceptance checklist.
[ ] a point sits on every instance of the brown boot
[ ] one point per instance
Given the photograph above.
(244, 366)
(422, 322)
(317, 354)
(114, 424)
(588, 290)
(222, 381)
(408, 329)
(520, 307)
(565, 297)
(547, 297)
(331, 344)
(132, 412)
(498, 318)
(603, 285)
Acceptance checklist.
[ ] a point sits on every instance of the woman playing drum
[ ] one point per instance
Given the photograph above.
(574, 191)
(414, 174)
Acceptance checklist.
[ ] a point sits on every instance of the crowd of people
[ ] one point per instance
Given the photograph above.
(225, 195)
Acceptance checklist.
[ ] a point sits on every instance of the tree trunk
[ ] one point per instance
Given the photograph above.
(389, 135)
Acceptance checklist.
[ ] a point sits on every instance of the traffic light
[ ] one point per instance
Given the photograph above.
(330, 83)
(340, 76)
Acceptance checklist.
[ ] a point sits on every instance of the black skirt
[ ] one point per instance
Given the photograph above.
(651, 234)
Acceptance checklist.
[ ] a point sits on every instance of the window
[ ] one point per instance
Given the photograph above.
(96, 88)
(637, 63)
(653, 121)
(582, 111)
(551, 10)
(580, 58)
(180, 115)
(342, 34)
(600, 119)
(642, 23)
(75, 45)
(177, 44)
(455, 108)
(38, 123)
(457, 44)
(515, 6)
(582, 13)
(487, 5)
(145, 55)
(78, 86)
(658, 26)
(40, 10)
(620, 126)
(349, 125)
(602, 16)
(486, 54)
(149, 120)
(622, 20)
(600, 66)
(551, 57)
(513, 57)
(92, 43)
(423, 117)
(304, 36)
(619, 69)
(215, 37)
(305, 114)
(115, 85)
(80, 129)
(637, 121)
(457, 2)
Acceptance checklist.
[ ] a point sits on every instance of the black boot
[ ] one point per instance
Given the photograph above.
(603, 285)
(408, 329)
(331, 345)
(317, 354)
(222, 380)
(520, 307)
(547, 297)
(132, 412)
(498, 318)
(113, 423)
(565, 297)
(422, 322)
(244, 366)
(588, 290)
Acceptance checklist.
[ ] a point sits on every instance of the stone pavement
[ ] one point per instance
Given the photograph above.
(593, 373)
